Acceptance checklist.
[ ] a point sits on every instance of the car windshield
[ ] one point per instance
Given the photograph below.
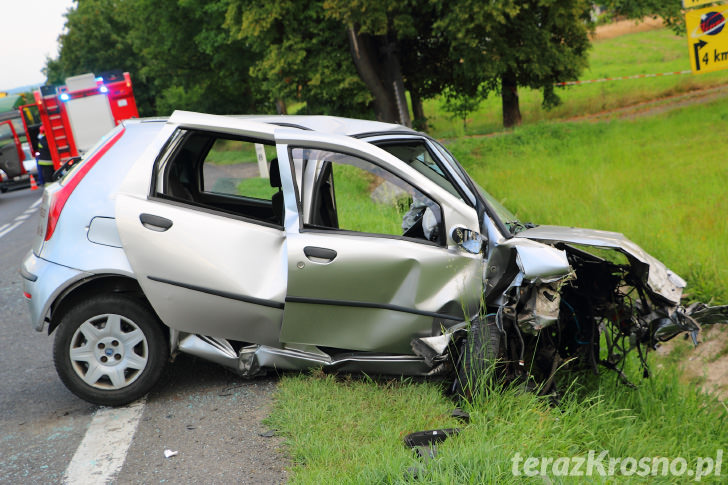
(505, 215)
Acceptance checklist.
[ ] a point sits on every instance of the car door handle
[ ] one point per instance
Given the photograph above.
(155, 223)
(315, 253)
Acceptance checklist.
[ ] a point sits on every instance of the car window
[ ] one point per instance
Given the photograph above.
(416, 155)
(231, 168)
(345, 192)
(227, 174)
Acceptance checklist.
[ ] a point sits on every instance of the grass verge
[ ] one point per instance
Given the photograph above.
(351, 430)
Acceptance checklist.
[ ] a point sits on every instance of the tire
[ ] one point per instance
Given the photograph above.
(478, 356)
(110, 350)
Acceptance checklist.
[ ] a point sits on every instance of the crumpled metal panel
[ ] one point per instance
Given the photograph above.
(660, 279)
(514, 260)
(295, 359)
(413, 276)
(541, 309)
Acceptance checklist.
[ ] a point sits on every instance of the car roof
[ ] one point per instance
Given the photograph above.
(320, 123)
(330, 124)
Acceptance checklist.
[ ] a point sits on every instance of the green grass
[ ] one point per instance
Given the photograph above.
(351, 430)
(653, 52)
(257, 187)
(358, 211)
(226, 152)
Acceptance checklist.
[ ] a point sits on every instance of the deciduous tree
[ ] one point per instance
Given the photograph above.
(509, 44)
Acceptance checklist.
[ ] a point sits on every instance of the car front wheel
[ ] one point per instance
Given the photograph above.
(110, 350)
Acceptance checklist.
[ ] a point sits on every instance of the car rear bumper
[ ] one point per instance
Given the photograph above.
(43, 282)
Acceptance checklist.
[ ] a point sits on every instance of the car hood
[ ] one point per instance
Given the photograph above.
(658, 278)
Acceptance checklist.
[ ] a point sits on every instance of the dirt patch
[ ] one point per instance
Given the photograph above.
(707, 364)
(622, 27)
(658, 105)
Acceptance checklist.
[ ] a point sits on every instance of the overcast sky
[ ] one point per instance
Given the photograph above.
(28, 34)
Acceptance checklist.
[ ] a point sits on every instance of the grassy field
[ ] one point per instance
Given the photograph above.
(653, 52)
(660, 180)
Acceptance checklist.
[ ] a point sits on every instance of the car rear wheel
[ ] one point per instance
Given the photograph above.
(110, 350)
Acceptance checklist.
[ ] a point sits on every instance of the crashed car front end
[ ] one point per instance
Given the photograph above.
(556, 295)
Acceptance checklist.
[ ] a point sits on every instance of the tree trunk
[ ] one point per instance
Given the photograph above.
(419, 121)
(377, 63)
(364, 55)
(393, 77)
(281, 108)
(509, 98)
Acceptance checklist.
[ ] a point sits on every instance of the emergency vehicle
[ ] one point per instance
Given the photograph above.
(75, 116)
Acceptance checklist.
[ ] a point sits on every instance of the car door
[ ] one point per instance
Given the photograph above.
(198, 226)
(371, 264)
(11, 152)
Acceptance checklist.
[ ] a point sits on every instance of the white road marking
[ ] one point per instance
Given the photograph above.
(102, 451)
(12, 226)
(6, 228)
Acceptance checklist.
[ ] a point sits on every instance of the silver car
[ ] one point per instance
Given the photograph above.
(307, 241)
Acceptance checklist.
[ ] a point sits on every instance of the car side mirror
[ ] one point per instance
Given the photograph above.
(470, 241)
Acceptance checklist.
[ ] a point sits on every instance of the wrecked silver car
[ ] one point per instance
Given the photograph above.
(290, 242)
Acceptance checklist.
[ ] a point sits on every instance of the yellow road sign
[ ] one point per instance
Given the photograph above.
(707, 38)
(695, 3)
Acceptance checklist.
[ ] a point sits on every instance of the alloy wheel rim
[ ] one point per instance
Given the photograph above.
(109, 352)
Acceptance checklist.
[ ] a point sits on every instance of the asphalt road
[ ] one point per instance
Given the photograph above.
(209, 416)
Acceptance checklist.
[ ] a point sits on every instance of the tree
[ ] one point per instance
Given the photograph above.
(343, 57)
(183, 59)
(351, 56)
(96, 40)
(299, 54)
(670, 12)
(189, 60)
(511, 43)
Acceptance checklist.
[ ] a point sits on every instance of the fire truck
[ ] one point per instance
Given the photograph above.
(75, 116)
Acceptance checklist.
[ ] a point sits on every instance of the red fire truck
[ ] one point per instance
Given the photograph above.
(77, 115)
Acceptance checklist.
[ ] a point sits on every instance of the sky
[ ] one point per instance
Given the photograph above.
(28, 34)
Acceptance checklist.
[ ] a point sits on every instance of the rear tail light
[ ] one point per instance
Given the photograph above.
(59, 197)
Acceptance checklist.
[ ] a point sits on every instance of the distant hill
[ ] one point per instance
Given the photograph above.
(23, 89)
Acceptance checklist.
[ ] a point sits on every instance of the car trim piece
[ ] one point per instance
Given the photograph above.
(348, 232)
(364, 304)
(223, 294)
(27, 274)
(167, 199)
